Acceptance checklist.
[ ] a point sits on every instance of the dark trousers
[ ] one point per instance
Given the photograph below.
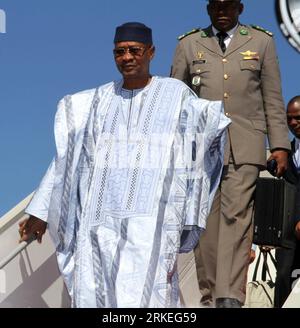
(288, 260)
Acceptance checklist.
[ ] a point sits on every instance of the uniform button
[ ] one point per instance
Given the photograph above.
(226, 95)
(226, 76)
(224, 60)
(227, 114)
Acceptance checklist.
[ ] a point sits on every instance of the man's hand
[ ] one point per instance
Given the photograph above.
(32, 226)
(251, 256)
(281, 158)
(297, 230)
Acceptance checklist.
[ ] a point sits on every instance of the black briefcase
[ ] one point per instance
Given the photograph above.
(274, 207)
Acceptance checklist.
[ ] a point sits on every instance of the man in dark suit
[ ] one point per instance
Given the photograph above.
(288, 259)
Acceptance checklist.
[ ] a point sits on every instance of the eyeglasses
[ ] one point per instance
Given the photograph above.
(134, 51)
(226, 5)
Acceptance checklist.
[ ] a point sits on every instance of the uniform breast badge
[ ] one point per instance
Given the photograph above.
(248, 55)
(200, 58)
(200, 55)
(196, 81)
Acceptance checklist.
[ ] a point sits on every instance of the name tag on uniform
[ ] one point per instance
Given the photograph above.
(199, 61)
(200, 58)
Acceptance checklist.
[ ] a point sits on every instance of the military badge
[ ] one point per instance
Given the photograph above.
(188, 33)
(200, 54)
(244, 31)
(250, 55)
(200, 60)
(196, 80)
(258, 28)
(203, 34)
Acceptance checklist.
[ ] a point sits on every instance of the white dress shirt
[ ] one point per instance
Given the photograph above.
(230, 34)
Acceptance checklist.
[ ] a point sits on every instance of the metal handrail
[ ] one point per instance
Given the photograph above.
(10, 218)
(16, 251)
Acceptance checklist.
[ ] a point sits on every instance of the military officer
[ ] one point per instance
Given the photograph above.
(238, 64)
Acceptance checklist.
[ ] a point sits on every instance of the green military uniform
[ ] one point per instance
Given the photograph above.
(246, 77)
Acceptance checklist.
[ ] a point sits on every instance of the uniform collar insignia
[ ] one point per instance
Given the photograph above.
(244, 31)
(203, 34)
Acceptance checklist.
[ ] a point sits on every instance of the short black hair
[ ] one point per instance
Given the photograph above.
(295, 99)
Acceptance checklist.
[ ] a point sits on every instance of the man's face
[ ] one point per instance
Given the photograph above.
(133, 59)
(293, 118)
(224, 14)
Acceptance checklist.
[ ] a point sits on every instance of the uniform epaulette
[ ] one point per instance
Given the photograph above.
(188, 33)
(262, 29)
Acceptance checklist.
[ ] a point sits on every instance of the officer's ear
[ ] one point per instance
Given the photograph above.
(241, 8)
(208, 9)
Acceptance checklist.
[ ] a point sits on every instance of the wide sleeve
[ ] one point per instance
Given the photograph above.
(204, 142)
(39, 204)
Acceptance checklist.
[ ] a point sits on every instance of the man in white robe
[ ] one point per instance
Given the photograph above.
(138, 162)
